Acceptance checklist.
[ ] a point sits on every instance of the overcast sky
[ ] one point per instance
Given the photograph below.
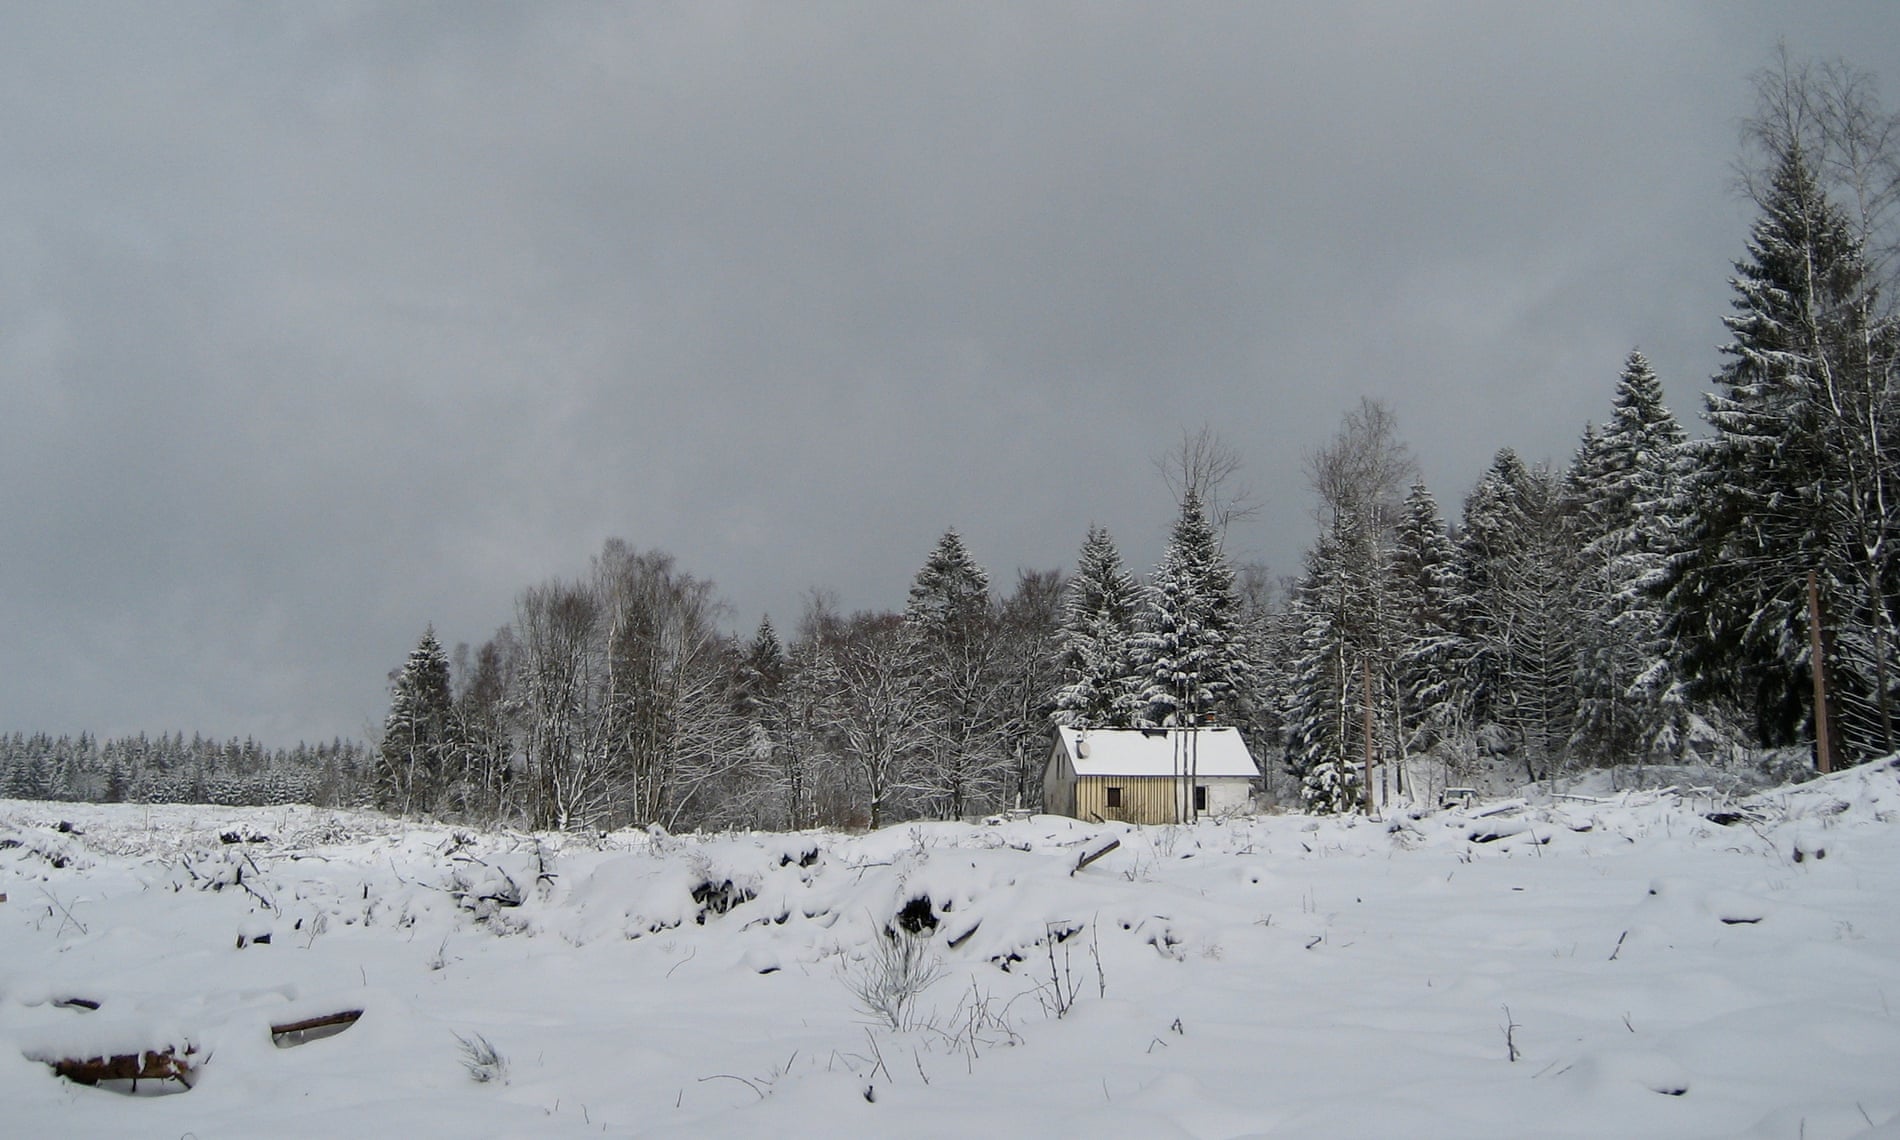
(320, 322)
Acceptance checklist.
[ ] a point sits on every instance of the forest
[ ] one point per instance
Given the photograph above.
(1663, 596)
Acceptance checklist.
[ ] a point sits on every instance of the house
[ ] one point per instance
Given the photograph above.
(1149, 775)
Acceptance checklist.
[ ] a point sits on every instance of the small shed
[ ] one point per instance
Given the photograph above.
(1148, 775)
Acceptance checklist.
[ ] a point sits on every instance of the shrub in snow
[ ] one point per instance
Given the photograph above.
(897, 969)
(481, 1060)
(481, 887)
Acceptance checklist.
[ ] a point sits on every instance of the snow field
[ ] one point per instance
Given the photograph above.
(1654, 973)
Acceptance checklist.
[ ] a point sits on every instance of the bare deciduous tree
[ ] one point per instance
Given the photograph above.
(1830, 111)
(1207, 467)
(1364, 470)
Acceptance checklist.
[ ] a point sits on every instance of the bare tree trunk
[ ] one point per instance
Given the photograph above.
(1823, 756)
(1367, 663)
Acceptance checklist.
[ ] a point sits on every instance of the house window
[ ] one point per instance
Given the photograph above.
(1200, 797)
(1114, 797)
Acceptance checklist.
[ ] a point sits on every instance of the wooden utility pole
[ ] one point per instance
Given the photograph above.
(1194, 762)
(1823, 753)
(1367, 662)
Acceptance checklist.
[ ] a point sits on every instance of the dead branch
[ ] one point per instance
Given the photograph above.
(1092, 856)
(313, 1028)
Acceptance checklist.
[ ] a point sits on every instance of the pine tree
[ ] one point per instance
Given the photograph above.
(762, 672)
(950, 597)
(1517, 555)
(951, 622)
(1100, 608)
(1542, 707)
(1434, 705)
(777, 778)
(418, 738)
(1486, 539)
(1801, 476)
(1192, 651)
(1621, 485)
(1325, 728)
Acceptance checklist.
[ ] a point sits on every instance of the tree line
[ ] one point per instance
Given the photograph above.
(1646, 602)
(616, 698)
(172, 769)
(1657, 597)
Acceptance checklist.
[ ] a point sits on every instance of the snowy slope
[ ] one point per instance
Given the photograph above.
(1655, 973)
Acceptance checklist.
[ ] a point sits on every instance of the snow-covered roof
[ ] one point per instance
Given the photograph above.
(1155, 752)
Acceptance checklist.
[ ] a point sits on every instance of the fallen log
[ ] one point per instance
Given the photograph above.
(150, 1065)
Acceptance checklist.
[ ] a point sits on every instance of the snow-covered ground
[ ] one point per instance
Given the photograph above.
(1588, 967)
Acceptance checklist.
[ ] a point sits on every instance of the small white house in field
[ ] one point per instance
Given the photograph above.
(1148, 775)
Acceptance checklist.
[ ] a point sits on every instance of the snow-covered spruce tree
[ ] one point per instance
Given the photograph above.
(1191, 653)
(1192, 649)
(419, 740)
(1602, 733)
(765, 792)
(1434, 704)
(1517, 555)
(951, 622)
(1802, 475)
(1325, 741)
(1623, 482)
(1541, 675)
(1484, 540)
(1100, 609)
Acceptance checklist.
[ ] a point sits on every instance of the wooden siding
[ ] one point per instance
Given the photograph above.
(1145, 799)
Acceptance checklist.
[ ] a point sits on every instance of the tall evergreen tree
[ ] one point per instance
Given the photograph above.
(951, 622)
(1486, 540)
(779, 702)
(1192, 651)
(418, 733)
(1434, 706)
(950, 597)
(1802, 475)
(1516, 552)
(1100, 609)
(1325, 726)
(1621, 486)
